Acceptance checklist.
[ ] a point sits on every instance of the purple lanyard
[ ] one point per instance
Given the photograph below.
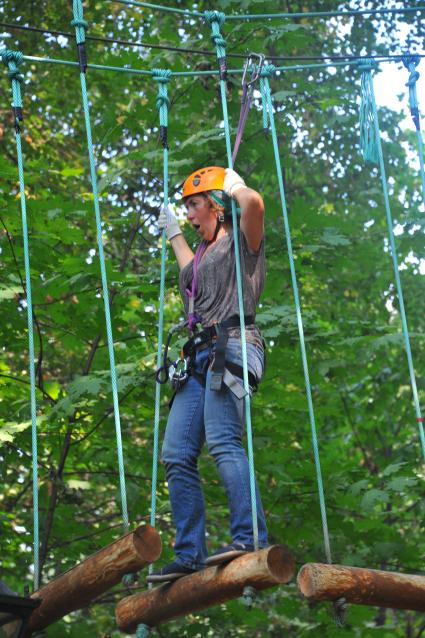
(193, 290)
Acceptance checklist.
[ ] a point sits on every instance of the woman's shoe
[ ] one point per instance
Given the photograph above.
(170, 572)
(229, 552)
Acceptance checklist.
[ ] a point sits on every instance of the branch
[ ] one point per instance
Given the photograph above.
(18, 380)
(54, 495)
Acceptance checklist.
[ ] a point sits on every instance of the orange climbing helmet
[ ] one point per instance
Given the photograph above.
(209, 178)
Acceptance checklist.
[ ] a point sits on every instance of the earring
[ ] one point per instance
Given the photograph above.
(220, 217)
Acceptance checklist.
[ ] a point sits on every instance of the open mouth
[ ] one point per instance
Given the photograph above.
(196, 226)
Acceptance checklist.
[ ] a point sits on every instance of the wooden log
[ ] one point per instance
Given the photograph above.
(210, 586)
(95, 575)
(362, 586)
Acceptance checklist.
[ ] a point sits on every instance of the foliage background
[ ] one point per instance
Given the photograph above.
(371, 459)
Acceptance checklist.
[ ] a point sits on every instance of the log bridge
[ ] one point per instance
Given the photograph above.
(80, 585)
(317, 581)
(265, 568)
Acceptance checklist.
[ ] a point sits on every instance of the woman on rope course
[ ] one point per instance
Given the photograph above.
(208, 404)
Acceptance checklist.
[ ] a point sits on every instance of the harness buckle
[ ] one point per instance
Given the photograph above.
(216, 381)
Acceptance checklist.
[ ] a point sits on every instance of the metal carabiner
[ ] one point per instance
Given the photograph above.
(255, 70)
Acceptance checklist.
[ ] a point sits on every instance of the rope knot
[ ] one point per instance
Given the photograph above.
(143, 631)
(14, 74)
(161, 75)
(268, 71)
(218, 40)
(366, 65)
(214, 16)
(80, 22)
(7, 55)
(162, 100)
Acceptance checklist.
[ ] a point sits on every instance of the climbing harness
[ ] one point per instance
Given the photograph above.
(214, 338)
(253, 66)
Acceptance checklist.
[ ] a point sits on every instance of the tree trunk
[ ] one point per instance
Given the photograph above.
(84, 582)
(362, 586)
(211, 586)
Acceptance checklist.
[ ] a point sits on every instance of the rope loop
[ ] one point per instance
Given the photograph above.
(7, 55)
(268, 71)
(79, 22)
(214, 16)
(143, 631)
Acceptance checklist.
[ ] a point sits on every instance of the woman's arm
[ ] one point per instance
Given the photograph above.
(167, 221)
(252, 208)
(182, 251)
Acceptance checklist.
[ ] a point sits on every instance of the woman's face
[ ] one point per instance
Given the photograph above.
(201, 215)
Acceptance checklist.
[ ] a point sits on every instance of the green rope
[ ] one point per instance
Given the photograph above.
(12, 59)
(267, 72)
(78, 16)
(212, 72)
(324, 14)
(411, 62)
(291, 16)
(390, 226)
(215, 19)
(159, 7)
(368, 142)
(161, 76)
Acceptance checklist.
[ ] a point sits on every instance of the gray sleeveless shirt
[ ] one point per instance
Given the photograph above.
(217, 297)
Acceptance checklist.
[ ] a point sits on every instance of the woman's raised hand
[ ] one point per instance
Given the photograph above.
(168, 221)
(232, 182)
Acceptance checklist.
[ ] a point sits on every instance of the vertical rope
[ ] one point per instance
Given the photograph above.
(215, 19)
(366, 71)
(12, 59)
(162, 103)
(80, 26)
(411, 62)
(267, 72)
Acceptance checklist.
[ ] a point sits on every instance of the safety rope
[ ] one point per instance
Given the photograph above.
(80, 26)
(267, 72)
(211, 72)
(215, 19)
(12, 59)
(263, 16)
(366, 68)
(162, 76)
(411, 62)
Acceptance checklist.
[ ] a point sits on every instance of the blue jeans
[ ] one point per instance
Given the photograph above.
(197, 415)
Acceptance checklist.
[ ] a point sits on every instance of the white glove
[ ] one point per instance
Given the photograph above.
(232, 182)
(168, 221)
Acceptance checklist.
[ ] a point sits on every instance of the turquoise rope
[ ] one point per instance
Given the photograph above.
(78, 17)
(410, 63)
(191, 74)
(143, 631)
(268, 71)
(161, 76)
(12, 59)
(263, 16)
(390, 225)
(215, 19)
